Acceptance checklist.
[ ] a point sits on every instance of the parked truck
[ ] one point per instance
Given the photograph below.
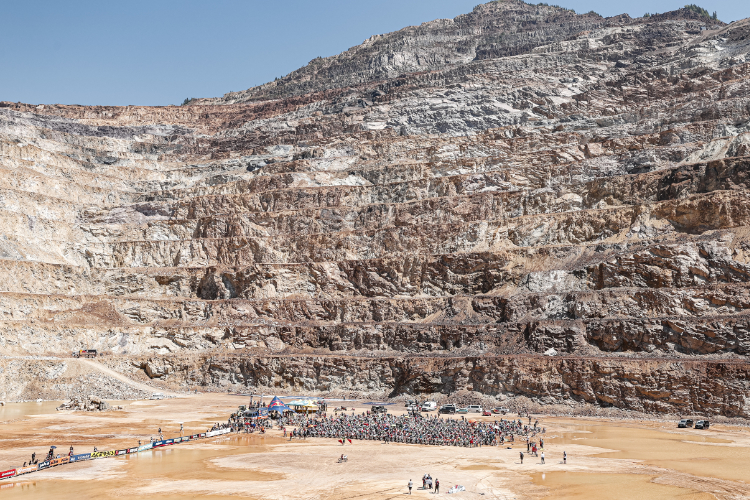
(85, 353)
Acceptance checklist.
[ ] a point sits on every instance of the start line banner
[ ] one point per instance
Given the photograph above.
(217, 432)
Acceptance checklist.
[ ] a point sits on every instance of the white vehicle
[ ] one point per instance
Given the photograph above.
(429, 406)
(157, 395)
(474, 408)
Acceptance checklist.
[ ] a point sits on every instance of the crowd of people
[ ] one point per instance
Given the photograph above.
(413, 429)
(239, 423)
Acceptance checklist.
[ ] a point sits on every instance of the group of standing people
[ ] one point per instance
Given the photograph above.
(412, 429)
(427, 484)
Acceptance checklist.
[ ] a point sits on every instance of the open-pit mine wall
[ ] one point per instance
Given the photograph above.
(518, 201)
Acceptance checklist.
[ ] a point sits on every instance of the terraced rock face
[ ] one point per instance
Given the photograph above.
(431, 211)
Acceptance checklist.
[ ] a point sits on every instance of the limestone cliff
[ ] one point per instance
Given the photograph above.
(429, 211)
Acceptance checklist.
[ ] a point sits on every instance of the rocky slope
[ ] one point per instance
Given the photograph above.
(429, 211)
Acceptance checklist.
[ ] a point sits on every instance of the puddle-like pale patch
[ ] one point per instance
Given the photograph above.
(179, 471)
(591, 486)
(171, 463)
(94, 470)
(161, 490)
(686, 450)
(189, 487)
(12, 411)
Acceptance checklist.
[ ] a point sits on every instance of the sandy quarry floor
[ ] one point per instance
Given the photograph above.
(607, 459)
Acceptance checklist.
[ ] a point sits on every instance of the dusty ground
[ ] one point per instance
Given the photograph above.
(607, 458)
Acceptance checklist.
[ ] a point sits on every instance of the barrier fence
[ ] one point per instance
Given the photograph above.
(18, 471)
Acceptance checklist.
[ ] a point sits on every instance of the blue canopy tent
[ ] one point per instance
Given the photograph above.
(277, 405)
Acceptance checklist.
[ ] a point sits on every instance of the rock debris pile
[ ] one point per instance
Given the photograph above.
(90, 403)
(521, 201)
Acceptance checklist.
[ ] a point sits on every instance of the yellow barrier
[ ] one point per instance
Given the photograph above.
(102, 454)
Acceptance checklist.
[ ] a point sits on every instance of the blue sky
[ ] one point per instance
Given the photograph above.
(158, 52)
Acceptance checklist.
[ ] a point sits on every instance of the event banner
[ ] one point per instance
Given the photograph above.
(102, 454)
(217, 432)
